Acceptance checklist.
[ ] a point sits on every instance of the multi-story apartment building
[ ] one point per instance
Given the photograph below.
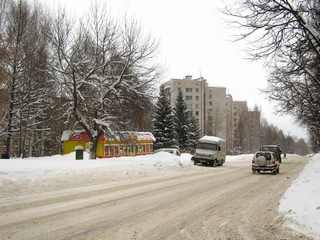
(217, 113)
(230, 127)
(208, 104)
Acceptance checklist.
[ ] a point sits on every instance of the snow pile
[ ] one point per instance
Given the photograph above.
(46, 167)
(301, 202)
(21, 176)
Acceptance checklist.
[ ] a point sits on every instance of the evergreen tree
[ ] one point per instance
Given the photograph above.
(182, 121)
(194, 133)
(163, 123)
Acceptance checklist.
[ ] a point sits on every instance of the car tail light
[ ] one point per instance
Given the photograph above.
(273, 160)
(253, 160)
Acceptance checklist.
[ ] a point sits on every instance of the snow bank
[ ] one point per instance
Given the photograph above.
(46, 167)
(301, 202)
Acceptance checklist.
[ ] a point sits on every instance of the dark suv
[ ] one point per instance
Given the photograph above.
(265, 161)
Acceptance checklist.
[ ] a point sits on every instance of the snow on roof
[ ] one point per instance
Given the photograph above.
(211, 139)
(68, 133)
(139, 136)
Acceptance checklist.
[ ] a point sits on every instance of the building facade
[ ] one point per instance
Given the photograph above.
(207, 104)
(217, 113)
(124, 144)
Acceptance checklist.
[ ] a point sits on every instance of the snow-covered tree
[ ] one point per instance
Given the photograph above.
(23, 66)
(101, 64)
(163, 123)
(186, 126)
(194, 133)
(182, 121)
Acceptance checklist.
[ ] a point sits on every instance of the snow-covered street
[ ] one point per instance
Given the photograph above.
(300, 204)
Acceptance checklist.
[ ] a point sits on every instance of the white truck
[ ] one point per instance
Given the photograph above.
(210, 150)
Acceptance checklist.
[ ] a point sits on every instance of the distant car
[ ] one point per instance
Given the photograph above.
(265, 161)
(169, 150)
(273, 148)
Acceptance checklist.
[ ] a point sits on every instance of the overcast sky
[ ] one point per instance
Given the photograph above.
(195, 41)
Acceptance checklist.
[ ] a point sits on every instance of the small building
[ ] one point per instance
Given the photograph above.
(126, 143)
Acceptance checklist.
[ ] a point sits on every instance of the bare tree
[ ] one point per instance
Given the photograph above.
(3, 76)
(241, 132)
(3, 8)
(286, 35)
(23, 67)
(100, 65)
(289, 146)
(12, 40)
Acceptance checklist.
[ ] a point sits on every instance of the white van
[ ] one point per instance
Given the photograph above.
(210, 150)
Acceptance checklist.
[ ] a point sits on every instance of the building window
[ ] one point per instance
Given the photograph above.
(197, 89)
(210, 103)
(210, 96)
(197, 113)
(197, 106)
(197, 97)
(189, 98)
(188, 90)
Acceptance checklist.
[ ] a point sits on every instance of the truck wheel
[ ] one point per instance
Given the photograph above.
(215, 163)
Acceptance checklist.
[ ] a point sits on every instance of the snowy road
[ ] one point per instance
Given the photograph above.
(201, 203)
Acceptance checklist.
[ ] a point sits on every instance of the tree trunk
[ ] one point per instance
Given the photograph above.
(94, 148)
